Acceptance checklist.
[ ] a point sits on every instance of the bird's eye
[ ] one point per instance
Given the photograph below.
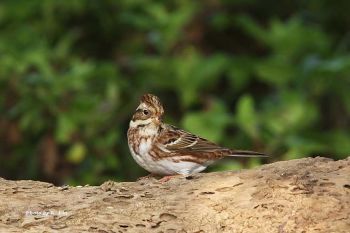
(145, 112)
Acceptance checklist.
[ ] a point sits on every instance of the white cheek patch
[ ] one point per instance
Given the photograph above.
(134, 124)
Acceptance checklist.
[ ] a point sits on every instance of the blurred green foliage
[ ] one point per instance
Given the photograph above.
(262, 75)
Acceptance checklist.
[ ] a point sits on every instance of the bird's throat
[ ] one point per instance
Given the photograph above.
(140, 123)
(145, 127)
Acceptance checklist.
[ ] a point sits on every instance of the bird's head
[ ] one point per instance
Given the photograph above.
(149, 111)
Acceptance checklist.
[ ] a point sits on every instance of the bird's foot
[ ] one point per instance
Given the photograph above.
(167, 178)
(149, 176)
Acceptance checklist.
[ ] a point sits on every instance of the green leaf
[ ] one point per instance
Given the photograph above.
(76, 153)
(338, 142)
(292, 112)
(65, 127)
(209, 124)
(246, 116)
(276, 71)
(227, 165)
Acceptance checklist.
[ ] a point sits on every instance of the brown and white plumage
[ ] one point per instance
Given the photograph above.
(167, 150)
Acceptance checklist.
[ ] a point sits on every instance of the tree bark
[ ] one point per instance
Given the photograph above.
(304, 195)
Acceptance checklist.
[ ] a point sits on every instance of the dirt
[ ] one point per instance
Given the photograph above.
(305, 195)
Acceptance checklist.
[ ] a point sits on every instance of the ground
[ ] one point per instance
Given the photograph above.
(305, 195)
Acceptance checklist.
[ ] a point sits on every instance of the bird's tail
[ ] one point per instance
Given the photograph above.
(246, 153)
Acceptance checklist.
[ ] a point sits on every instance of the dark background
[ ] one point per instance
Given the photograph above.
(270, 76)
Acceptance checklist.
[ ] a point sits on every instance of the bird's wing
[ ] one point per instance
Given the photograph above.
(175, 139)
(183, 142)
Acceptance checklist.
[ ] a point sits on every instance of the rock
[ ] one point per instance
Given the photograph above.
(305, 195)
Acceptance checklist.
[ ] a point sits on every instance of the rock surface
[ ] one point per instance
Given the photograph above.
(305, 195)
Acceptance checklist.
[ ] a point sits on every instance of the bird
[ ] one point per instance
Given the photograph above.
(166, 150)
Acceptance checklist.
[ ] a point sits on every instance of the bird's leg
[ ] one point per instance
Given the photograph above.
(151, 175)
(167, 178)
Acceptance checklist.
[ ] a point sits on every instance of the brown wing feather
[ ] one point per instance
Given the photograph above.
(184, 143)
(180, 140)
